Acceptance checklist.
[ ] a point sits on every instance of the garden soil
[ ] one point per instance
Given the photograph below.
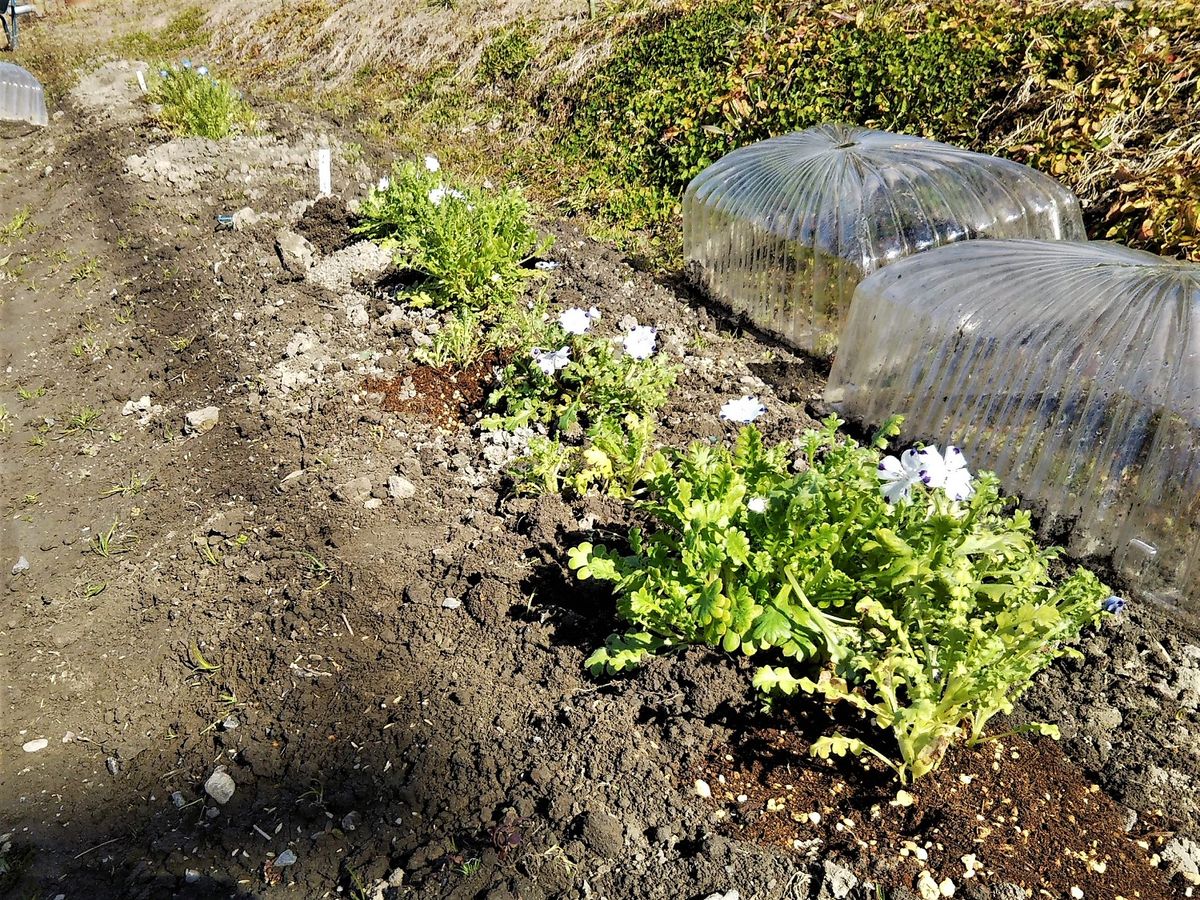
(262, 635)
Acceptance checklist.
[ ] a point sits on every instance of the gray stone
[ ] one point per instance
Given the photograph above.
(285, 859)
(191, 876)
(1181, 856)
(355, 490)
(141, 405)
(401, 488)
(244, 218)
(220, 786)
(1106, 718)
(295, 252)
(178, 800)
(300, 343)
(836, 883)
(201, 421)
(1006, 891)
(21, 565)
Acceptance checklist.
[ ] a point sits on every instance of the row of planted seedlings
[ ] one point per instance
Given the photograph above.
(902, 585)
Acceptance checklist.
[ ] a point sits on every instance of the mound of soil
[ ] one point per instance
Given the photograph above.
(327, 225)
(1008, 812)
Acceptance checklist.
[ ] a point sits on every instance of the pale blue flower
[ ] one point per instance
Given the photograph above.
(550, 361)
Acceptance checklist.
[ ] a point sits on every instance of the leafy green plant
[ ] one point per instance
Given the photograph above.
(468, 244)
(190, 101)
(596, 383)
(545, 465)
(616, 458)
(507, 55)
(112, 542)
(16, 226)
(83, 420)
(459, 342)
(931, 613)
(619, 456)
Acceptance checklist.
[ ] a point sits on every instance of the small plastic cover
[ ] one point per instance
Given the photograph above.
(783, 230)
(1071, 370)
(21, 96)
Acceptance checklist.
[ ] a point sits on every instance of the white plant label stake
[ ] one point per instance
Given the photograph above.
(141, 77)
(324, 172)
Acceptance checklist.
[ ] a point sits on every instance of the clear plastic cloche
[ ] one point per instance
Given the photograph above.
(783, 230)
(1072, 370)
(21, 96)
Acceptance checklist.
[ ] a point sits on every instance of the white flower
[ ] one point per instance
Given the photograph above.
(757, 504)
(441, 192)
(575, 320)
(202, 70)
(639, 342)
(745, 410)
(432, 164)
(899, 475)
(550, 361)
(948, 472)
(384, 183)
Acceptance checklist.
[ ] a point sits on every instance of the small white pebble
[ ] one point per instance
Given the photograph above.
(814, 818)
(702, 790)
(903, 798)
(1077, 893)
(35, 746)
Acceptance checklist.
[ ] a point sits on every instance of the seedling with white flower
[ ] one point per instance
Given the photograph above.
(585, 381)
(927, 467)
(932, 614)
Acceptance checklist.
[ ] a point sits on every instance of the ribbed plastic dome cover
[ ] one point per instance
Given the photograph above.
(21, 96)
(1071, 370)
(783, 230)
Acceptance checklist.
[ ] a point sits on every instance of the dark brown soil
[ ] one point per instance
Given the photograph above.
(1020, 811)
(444, 396)
(327, 225)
